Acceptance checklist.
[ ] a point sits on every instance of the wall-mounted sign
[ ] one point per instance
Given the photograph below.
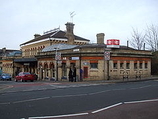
(76, 50)
(75, 58)
(107, 55)
(26, 64)
(58, 56)
(113, 43)
(85, 63)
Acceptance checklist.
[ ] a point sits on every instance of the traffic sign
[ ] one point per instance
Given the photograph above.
(107, 55)
(58, 56)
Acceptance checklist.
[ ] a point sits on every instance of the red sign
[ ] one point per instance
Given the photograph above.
(113, 43)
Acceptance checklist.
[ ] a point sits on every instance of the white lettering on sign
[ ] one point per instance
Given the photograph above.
(76, 50)
(75, 58)
(113, 43)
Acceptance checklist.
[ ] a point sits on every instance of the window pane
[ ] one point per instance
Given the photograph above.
(115, 65)
(127, 65)
(94, 65)
(135, 65)
(121, 65)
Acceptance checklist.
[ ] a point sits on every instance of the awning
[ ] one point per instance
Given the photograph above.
(22, 60)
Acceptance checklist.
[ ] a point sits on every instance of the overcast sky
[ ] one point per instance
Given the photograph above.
(21, 19)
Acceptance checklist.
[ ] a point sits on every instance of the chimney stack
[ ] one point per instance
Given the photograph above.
(100, 38)
(69, 32)
(36, 36)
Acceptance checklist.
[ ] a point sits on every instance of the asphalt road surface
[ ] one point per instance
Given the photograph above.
(33, 104)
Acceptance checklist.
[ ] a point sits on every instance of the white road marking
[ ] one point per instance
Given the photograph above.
(132, 102)
(5, 103)
(29, 100)
(73, 95)
(106, 108)
(102, 109)
(142, 87)
(69, 115)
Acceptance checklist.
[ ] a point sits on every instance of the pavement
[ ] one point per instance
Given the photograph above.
(46, 85)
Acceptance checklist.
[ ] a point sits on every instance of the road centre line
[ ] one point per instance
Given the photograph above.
(141, 87)
(29, 100)
(69, 115)
(62, 96)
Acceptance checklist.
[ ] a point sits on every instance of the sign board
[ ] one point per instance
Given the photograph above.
(26, 64)
(107, 55)
(58, 56)
(76, 50)
(113, 43)
(75, 58)
(85, 63)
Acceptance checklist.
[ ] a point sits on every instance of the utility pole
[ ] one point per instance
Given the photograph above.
(57, 58)
(107, 58)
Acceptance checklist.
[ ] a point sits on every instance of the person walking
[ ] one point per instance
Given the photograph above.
(81, 75)
(70, 75)
(74, 74)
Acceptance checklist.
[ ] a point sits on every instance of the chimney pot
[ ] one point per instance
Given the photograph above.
(37, 35)
(100, 38)
(69, 32)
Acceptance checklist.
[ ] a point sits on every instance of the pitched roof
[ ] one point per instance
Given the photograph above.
(54, 34)
(59, 47)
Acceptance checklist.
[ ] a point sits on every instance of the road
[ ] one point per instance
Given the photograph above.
(69, 99)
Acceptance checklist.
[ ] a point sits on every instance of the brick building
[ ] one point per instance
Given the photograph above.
(124, 62)
(30, 49)
(52, 54)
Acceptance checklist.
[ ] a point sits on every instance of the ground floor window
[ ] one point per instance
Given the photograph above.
(115, 65)
(146, 65)
(64, 69)
(94, 65)
(135, 65)
(121, 65)
(127, 65)
(140, 65)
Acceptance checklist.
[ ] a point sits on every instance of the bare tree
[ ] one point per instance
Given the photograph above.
(137, 39)
(152, 37)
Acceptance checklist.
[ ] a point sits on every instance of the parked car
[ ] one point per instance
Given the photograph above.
(35, 75)
(5, 76)
(25, 76)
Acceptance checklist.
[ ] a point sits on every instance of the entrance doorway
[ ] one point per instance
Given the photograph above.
(85, 72)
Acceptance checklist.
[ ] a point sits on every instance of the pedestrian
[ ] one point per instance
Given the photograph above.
(81, 75)
(74, 74)
(70, 75)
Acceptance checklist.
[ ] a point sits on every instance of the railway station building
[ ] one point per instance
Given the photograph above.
(52, 54)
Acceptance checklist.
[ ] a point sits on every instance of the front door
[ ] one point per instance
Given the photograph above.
(85, 72)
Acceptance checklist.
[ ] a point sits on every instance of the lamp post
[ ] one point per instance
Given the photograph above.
(80, 67)
(57, 57)
(107, 58)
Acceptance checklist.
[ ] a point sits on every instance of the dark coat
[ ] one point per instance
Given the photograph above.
(70, 75)
(74, 73)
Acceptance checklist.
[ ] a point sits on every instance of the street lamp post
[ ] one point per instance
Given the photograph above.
(56, 58)
(107, 58)
(80, 67)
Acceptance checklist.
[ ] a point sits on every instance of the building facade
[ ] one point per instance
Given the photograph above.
(30, 49)
(7, 60)
(124, 62)
(53, 54)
